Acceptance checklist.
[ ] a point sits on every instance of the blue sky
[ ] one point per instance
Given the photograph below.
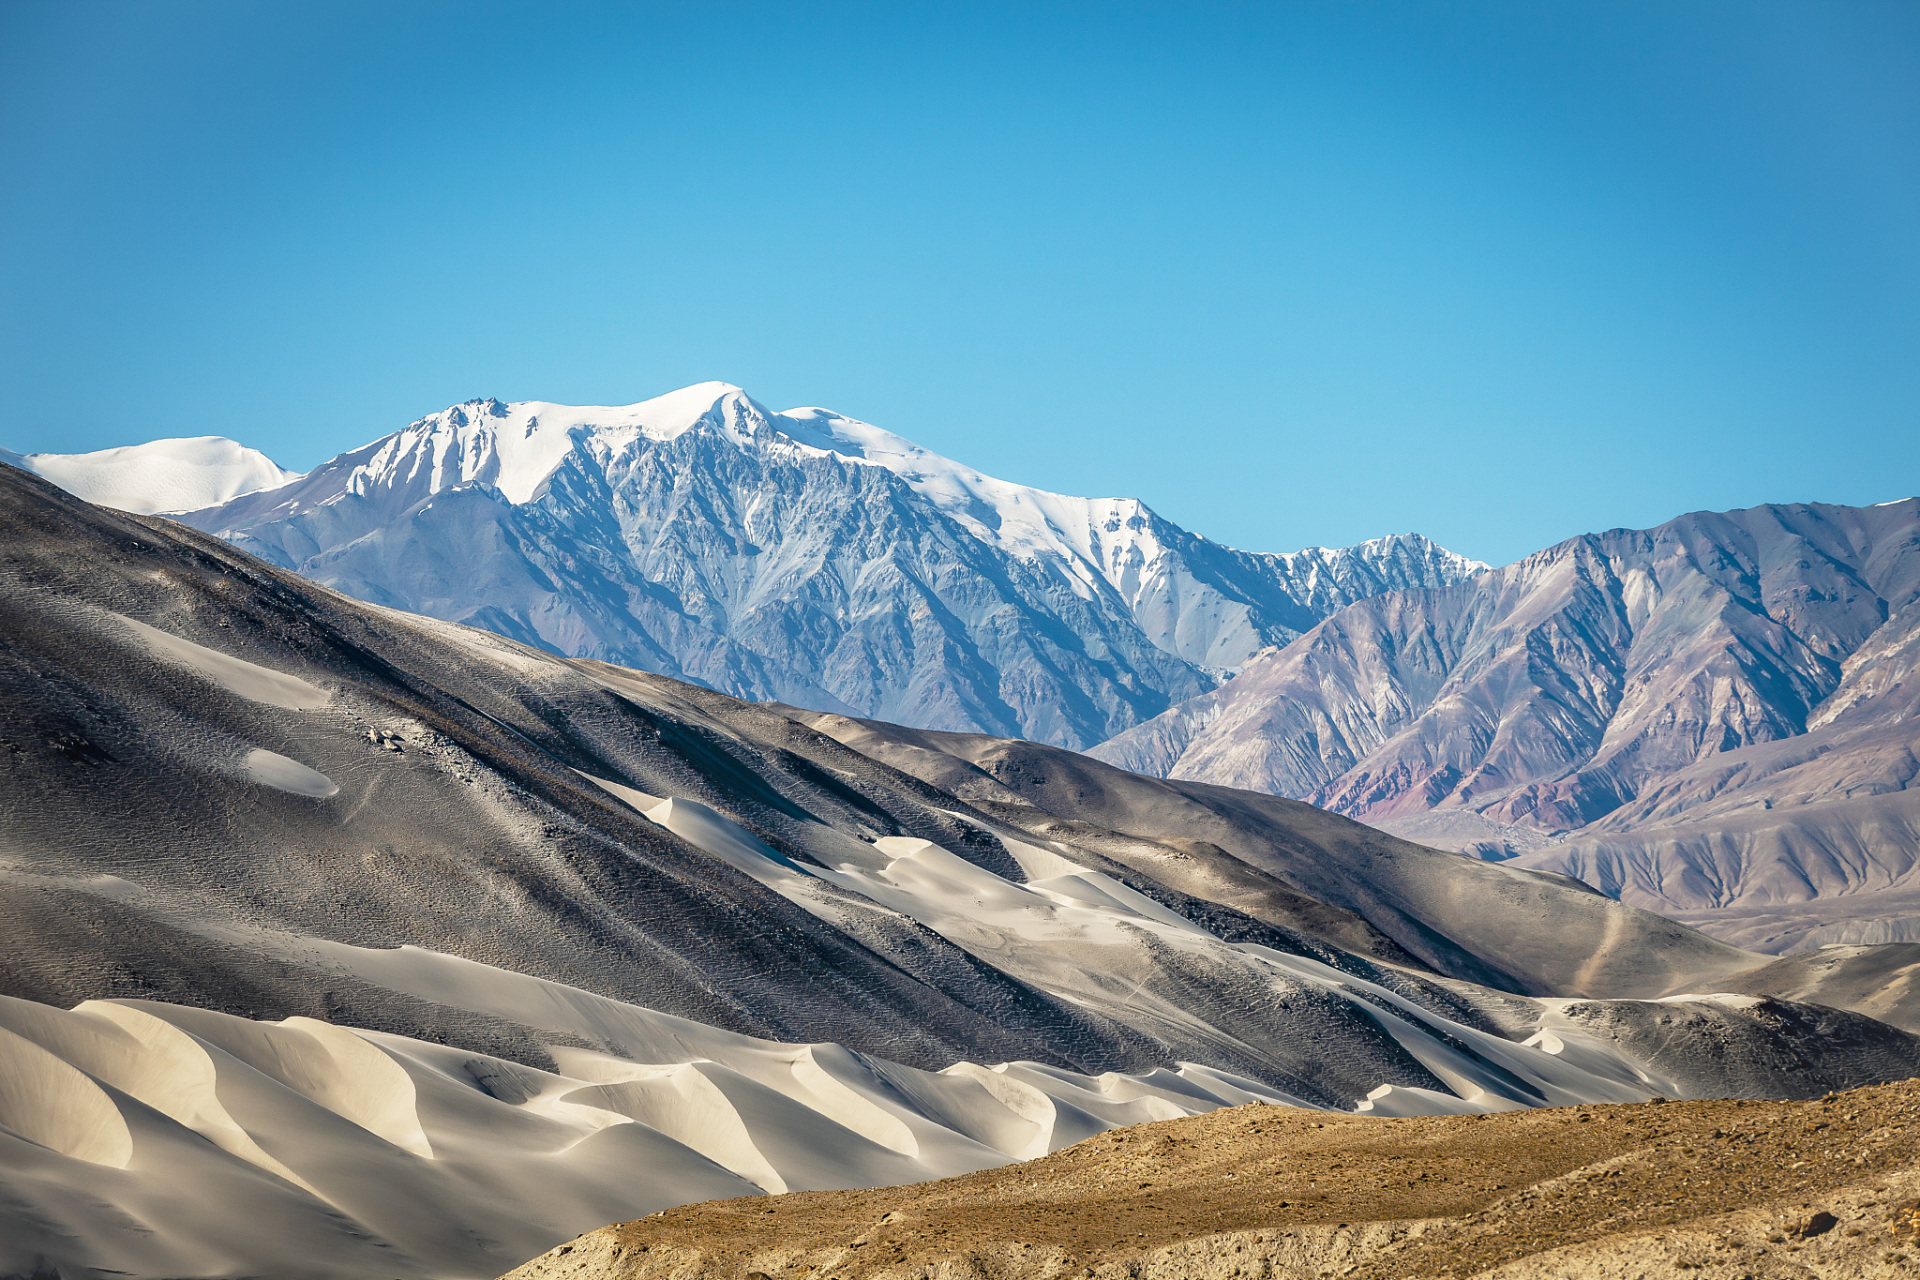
(1292, 273)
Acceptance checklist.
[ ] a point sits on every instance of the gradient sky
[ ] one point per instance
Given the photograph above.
(1292, 273)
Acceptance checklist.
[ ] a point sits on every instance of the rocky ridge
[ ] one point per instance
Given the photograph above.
(1715, 718)
(1720, 1190)
(801, 556)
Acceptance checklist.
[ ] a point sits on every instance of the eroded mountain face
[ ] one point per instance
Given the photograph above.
(804, 557)
(1714, 712)
(1714, 719)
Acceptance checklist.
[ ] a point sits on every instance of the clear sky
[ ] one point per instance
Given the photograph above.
(1292, 273)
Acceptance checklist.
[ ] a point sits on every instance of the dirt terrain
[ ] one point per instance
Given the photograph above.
(1708, 1189)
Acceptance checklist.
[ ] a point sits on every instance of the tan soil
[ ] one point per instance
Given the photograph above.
(1711, 1190)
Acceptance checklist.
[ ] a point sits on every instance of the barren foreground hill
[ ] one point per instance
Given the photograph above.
(1714, 1189)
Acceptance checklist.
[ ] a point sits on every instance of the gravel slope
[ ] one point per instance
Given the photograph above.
(1711, 1189)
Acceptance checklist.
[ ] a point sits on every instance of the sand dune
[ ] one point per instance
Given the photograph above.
(250, 680)
(157, 1140)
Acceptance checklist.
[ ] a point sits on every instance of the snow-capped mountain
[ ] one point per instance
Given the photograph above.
(803, 557)
(161, 475)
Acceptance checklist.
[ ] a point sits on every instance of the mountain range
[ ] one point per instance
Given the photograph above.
(1715, 718)
(802, 556)
(348, 941)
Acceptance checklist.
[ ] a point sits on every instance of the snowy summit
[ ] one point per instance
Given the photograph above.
(802, 556)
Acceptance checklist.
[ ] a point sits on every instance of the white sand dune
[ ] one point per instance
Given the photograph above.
(250, 680)
(1070, 934)
(155, 1140)
(152, 1139)
(271, 769)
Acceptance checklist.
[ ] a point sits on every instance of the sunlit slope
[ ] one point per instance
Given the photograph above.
(149, 1139)
(1718, 1190)
(161, 475)
(1714, 718)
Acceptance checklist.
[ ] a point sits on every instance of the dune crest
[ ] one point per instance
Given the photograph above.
(267, 1140)
(48, 1102)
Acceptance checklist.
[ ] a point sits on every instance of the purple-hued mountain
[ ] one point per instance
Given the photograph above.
(1715, 718)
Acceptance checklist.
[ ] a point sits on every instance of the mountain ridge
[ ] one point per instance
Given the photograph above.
(804, 557)
(1591, 705)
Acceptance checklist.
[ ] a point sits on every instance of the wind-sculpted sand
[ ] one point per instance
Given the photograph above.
(1714, 1189)
(149, 1139)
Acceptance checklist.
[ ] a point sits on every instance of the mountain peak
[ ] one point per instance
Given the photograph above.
(803, 556)
(677, 412)
(516, 446)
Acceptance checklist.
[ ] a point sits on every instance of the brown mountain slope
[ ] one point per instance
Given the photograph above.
(1715, 1189)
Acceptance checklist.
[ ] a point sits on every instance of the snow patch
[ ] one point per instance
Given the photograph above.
(162, 475)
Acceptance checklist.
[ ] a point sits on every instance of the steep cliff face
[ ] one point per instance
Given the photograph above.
(804, 557)
(1738, 669)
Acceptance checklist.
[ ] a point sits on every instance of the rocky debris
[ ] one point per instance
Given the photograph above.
(1818, 1225)
(1710, 1189)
